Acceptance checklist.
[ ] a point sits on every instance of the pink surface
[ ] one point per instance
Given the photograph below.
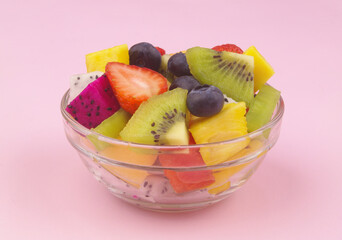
(46, 192)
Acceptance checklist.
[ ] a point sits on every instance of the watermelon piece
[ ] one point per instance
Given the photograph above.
(188, 180)
(94, 104)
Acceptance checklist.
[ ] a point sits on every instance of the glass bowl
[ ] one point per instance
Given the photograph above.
(133, 173)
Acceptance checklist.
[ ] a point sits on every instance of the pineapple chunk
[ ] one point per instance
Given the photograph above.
(97, 61)
(262, 69)
(218, 188)
(222, 176)
(228, 124)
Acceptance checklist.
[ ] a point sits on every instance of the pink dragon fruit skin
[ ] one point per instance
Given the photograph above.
(94, 104)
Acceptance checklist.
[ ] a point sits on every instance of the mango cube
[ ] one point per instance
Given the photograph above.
(262, 69)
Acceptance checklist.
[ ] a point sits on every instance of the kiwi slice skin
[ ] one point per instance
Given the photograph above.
(262, 108)
(231, 72)
(161, 120)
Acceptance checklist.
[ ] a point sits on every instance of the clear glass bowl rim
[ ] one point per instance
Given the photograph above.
(84, 131)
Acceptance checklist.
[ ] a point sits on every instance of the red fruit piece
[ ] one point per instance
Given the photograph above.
(228, 48)
(189, 180)
(162, 51)
(133, 85)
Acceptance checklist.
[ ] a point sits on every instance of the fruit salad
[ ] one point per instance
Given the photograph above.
(200, 96)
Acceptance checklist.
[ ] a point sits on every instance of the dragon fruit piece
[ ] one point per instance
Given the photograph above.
(155, 187)
(94, 104)
(79, 82)
(228, 99)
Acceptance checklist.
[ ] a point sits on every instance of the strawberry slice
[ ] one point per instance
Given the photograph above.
(133, 85)
(228, 48)
(162, 51)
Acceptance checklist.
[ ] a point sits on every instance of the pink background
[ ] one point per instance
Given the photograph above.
(46, 192)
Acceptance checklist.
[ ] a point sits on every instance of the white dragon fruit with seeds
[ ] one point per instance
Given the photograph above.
(228, 99)
(157, 188)
(79, 82)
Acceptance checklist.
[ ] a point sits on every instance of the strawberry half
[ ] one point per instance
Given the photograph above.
(133, 85)
(162, 51)
(228, 48)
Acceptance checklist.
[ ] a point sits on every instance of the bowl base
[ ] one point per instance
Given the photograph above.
(169, 207)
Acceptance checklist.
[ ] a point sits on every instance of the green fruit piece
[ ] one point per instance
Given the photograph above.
(111, 127)
(262, 108)
(163, 68)
(231, 72)
(161, 120)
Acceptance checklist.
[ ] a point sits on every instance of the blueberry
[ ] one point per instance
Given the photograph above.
(178, 65)
(145, 55)
(205, 101)
(185, 82)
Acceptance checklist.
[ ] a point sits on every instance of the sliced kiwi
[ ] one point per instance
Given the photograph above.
(161, 120)
(111, 127)
(164, 70)
(231, 72)
(261, 110)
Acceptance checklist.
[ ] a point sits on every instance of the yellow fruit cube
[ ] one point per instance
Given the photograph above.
(228, 124)
(97, 61)
(222, 175)
(218, 188)
(134, 177)
(262, 69)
